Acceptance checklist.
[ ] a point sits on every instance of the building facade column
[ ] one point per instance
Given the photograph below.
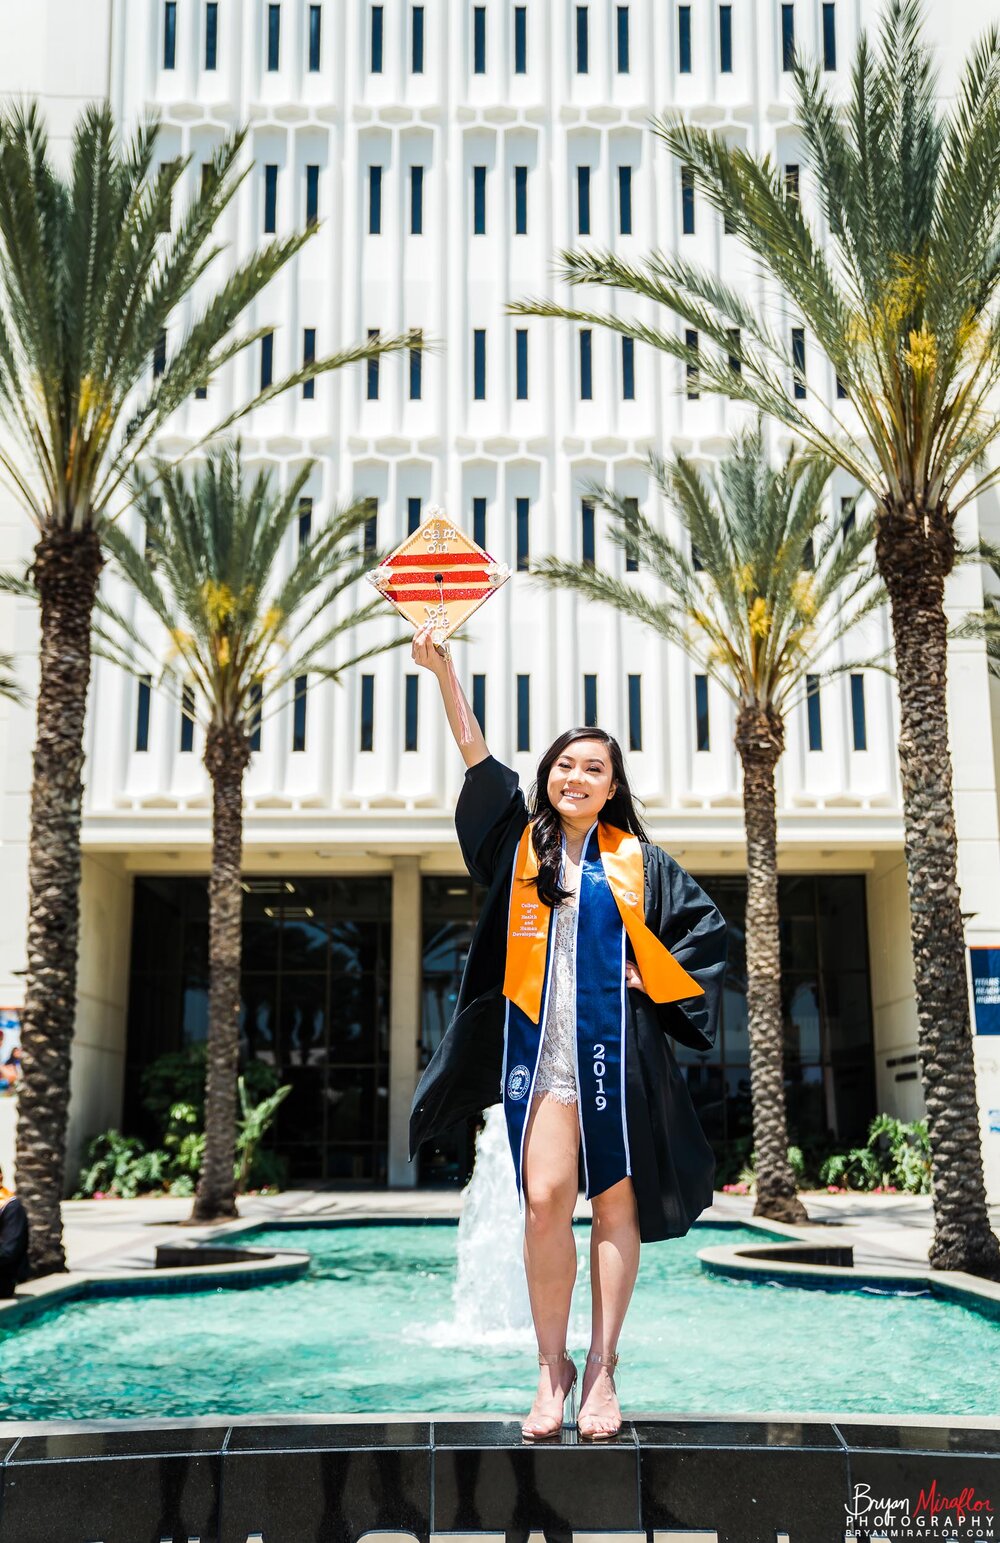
(405, 982)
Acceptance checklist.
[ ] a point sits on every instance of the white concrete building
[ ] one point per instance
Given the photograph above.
(448, 151)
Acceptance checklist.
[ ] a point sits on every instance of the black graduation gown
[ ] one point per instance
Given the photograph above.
(673, 1167)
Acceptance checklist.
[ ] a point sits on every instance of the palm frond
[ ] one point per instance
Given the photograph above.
(899, 291)
(237, 621)
(764, 587)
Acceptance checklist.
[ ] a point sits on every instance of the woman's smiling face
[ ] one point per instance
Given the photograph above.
(580, 783)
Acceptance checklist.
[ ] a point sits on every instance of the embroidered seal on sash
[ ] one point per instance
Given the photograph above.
(518, 1082)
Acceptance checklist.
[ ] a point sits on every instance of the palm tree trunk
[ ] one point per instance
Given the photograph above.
(914, 567)
(66, 572)
(227, 755)
(760, 739)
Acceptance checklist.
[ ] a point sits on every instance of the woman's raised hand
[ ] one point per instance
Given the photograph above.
(426, 652)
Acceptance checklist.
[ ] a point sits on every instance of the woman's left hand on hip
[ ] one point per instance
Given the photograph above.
(633, 978)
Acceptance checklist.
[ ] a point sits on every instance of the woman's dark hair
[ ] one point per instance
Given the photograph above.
(546, 827)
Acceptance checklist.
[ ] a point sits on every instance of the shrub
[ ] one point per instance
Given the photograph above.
(123, 1166)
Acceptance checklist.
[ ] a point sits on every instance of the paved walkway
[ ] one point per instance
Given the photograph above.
(122, 1234)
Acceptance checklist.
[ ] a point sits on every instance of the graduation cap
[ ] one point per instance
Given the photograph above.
(439, 575)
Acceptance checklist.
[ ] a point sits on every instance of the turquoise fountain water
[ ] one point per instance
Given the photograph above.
(374, 1327)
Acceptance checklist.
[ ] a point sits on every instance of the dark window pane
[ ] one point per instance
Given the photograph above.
(521, 514)
(520, 200)
(413, 511)
(374, 200)
(691, 370)
(858, 723)
(254, 716)
(583, 200)
(792, 182)
(590, 701)
(735, 361)
(587, 530)
(635, 712)
(479, 40)
(372, 370)
(622, 39)
(628, 369)
(848, 509)
(270, 199)
(273, 36)
(312, 194)
(299, 713)
(521, 359)
(371, 526)
(305, 520)
(631, 555)
(479, 200)
(187, 719)
(520, 40)
(142, 713)
(843, 926)
(586, 365)
(375, 56)
(416, 200)
(582, 40)
(798, 363)
(315, 35)
(479, 364)
(410, 736)
(798, 937)
(417, 40)
(684, 39)
(524, 712)
(266, 360)
(787, 37)
(211, 35)
(308, 357)
(416, 356)
(687, 200)
(625, 200)
(367, 711)
(829, 37)
(701, 712)
(170, 34)
(160, 354)
(725, 39)
(813, 710)
(801, 1019)
(479, 521)
(479, 700)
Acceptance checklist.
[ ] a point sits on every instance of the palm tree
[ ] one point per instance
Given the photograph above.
(898, 285)
(761, 591)
(244, 631)
(92, 271)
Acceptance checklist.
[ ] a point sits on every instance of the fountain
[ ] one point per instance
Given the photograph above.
(490, 1294)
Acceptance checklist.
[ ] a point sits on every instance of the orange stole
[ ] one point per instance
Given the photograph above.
(529, 920)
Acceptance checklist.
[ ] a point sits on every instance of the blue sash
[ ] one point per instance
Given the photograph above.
(600, 1036)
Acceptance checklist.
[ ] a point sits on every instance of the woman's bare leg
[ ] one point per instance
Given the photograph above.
(614, 1264)
(551, 1147)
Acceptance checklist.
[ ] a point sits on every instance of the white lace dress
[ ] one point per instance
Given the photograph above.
(556, 1075)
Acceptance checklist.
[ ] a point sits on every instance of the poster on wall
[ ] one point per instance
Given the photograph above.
(986, 988)
(10, 1050)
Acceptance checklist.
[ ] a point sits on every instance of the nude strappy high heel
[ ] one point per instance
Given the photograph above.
(610, 1361)
(557, 1423)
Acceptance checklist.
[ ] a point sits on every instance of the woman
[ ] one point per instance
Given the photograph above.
(568, 1024)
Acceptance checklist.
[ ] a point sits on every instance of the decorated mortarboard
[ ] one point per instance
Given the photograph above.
(439, 575)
